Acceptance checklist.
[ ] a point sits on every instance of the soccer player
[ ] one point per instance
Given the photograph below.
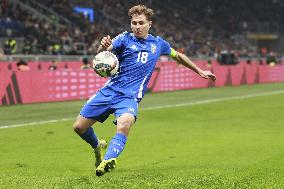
(138, 53)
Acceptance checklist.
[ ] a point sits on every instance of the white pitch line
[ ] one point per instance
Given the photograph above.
(159, 107)
(35, 123)
(214, 100)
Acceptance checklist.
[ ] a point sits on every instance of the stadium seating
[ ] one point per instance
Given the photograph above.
(188, 33)
(199, 28)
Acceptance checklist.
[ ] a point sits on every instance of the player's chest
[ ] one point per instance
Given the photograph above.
(142, 52)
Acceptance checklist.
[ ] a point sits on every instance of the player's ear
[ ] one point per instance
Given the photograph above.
(150, 23)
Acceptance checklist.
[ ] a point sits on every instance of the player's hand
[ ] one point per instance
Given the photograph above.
(106, 42)
(207, 75)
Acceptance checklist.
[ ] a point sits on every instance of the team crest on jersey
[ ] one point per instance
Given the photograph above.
(153, 48)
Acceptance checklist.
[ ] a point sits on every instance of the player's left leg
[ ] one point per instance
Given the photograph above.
(116, 145)
(126, 113)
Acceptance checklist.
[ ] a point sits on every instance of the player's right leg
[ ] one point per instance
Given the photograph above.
(83, 127)
(82, 124)
(97, 108)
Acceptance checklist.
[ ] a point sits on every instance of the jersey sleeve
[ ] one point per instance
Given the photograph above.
(118, 42)
(165, 46)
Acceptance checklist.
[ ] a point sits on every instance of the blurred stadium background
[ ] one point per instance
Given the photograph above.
(227, 134)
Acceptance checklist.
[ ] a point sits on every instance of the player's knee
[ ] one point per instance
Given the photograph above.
(123, 127)
(82, 124)
(124, 123)
(77, 128)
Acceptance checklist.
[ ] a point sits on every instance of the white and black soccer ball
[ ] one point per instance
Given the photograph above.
(105, 64)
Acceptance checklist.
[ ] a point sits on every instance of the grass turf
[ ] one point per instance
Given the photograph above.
(230, 144)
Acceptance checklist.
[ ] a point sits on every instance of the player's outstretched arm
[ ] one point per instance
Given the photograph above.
(106, 44)
(184, 60)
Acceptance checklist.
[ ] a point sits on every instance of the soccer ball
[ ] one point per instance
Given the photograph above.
(105, 64)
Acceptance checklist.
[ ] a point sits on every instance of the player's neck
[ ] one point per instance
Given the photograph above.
(143, 38)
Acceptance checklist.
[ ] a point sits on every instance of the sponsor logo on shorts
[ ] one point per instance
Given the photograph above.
(131, 110)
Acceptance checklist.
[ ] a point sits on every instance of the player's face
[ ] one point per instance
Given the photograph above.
(140, 25)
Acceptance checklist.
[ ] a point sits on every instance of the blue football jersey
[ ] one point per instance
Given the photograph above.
(137, 59)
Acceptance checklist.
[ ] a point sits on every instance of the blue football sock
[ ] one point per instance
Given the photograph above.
(90, 137)
(116, 146)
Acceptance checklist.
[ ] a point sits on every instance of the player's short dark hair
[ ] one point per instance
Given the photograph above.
(141, 9)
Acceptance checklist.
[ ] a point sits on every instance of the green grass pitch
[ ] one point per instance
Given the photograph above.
(229, 143)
